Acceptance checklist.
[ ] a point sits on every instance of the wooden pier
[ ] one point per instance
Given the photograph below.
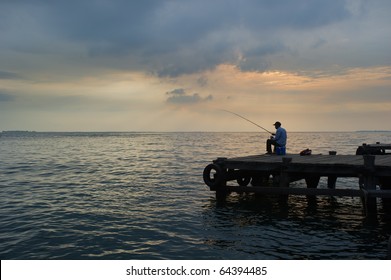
(272, 174)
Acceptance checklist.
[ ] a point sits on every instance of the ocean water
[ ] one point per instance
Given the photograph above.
(142, 196)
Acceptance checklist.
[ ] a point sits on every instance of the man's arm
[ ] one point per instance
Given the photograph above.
(277, 135)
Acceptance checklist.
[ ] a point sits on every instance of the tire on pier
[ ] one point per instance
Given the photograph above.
(243, 181)
(214, 178)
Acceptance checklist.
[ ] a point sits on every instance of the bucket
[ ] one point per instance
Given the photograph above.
(280, 151)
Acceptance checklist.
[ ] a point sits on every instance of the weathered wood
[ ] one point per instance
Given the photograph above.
(379, 193)
(312, 181)
(372, 170)
(297, 191)
(331, 181)
(373, 149)
(369, 183)
(284, 176)
(340, 165)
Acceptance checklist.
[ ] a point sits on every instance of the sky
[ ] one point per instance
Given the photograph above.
(156, 65)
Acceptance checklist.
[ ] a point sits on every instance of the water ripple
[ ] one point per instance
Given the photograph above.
(141, 196)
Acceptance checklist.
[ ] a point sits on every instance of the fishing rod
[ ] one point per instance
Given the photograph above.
(249, 121)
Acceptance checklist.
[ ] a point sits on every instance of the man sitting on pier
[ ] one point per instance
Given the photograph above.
(278, 139)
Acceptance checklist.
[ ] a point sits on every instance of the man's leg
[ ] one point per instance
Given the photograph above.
(269, 144)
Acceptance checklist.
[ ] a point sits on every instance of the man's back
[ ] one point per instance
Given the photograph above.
(281, 136)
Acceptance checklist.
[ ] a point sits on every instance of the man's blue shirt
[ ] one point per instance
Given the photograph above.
(280, 136)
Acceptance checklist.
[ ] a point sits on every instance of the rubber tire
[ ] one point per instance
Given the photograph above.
(218, 177)
(243, 182)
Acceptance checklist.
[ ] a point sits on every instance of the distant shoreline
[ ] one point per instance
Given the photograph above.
(373, 131)
(33, 131)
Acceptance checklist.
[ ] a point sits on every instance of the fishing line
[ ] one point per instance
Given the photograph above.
(248, 120)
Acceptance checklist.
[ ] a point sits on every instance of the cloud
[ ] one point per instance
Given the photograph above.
(179, 96)
(202, 81)
(169, 38)
(117, 57)
(4, 75)
(6, 97)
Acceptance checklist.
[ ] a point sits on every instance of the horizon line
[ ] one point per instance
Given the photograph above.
(180, 131)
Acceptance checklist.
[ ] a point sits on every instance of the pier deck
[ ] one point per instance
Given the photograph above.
(272, 174)
(341, 165)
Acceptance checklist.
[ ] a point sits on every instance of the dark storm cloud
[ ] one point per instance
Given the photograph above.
(179, 96)
(4, 75)
(5, 96)
(167, 38)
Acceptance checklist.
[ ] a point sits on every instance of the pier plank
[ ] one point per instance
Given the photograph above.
(356, 160)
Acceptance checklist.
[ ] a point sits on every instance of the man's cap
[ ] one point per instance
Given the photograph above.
(277, 123)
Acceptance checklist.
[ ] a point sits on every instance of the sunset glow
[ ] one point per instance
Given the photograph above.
(160, 66)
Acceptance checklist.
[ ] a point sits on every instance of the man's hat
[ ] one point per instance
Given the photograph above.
(277, 123)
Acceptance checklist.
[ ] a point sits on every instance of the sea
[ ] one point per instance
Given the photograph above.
(141, 196)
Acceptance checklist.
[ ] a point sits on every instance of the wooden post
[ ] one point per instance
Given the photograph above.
(331, 179)
(221, 195)
(369, 183)
(221, 189)
(284, 177)
(312, 181)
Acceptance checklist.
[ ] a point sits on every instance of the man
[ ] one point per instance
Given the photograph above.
(278, 140)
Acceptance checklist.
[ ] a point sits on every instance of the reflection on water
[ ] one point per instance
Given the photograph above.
(141, 196)
(301, 228)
